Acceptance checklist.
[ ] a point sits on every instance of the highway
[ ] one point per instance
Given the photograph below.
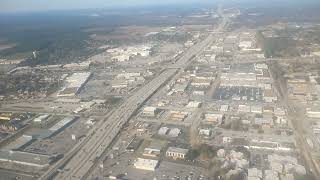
(78, 162)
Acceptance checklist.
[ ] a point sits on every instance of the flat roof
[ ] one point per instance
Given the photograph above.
(19, 142)
(61, 123)
(25, 158)
(177, 150)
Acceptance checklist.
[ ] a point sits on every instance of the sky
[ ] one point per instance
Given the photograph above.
(43, 5)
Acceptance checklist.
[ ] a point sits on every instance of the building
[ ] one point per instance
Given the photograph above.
(256, 109)
(214, 118)
(245, 44)
(146, 164)
(313, 112)
(74, 83)
(163, 131)
(128, 75)
(269, 145)
(58, 127)
(258, 66)
(201, 82)
(119, 83)
(37, 161)
(180, 87)
(193, 104)
(205, 132)
(150, 111)
(176, 153)
(175, 132)
(19, 143)
(244, 109)
(264, 121)
(178, 115)
(198, 93)
(224, 108)
(41, 118)
(154, 148)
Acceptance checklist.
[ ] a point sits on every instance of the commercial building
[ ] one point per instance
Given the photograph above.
(245, 44)
(205, 132)
(269, 145)
(178, 115)
(256, 109)
(244, 108)
(213, 118)
(201, 82)
(198, 93)
(224, 108)
(269, 96)
(146, 164)
(150, 111)
(313, 112)
(176, 153)
(154, 148)
(119, 83)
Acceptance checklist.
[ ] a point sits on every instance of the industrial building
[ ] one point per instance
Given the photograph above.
(19, 143)
(58, 127)
(24, 158)
(74, 83)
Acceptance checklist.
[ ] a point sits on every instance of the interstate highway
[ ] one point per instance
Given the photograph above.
(84, 156)
(78, 162)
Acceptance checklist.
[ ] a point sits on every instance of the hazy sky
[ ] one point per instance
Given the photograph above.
(40, 5)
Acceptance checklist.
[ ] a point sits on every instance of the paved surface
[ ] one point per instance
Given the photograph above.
(297, 118)
(79, 161)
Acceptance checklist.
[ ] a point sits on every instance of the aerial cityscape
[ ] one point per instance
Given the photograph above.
(215, 90)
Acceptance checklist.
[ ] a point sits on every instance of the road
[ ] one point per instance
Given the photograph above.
(78, 162)
(297, 118)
